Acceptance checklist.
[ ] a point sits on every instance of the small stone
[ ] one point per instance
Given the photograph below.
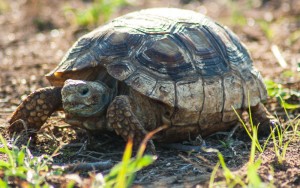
(39, 114)
(45, 107)
(46, 112)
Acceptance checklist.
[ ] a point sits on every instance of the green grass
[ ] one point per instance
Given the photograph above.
(282, 94)
(237, 16)
(266, 28)
(232, 179)
(21, 165)
(4, 6)
(123, 174)
(280, 137)
(98, 13)
(251, 178)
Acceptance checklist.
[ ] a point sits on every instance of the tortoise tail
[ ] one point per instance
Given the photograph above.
(33, 112)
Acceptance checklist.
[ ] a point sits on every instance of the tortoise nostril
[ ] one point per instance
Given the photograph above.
(84, 91)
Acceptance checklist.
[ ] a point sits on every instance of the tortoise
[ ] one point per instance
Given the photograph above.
(146, 69)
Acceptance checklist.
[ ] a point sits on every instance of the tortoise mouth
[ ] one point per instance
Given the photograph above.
(82, 110)
(69, 106)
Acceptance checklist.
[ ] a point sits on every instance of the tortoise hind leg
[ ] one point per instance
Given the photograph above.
(33, 112)
(263, 118)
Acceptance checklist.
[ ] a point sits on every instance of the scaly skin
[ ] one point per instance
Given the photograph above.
(33, 112)
(123, 120)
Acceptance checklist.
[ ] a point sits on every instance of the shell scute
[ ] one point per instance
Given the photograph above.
(208, 59)
(196, 40)
(150, 24)
(234, 96)
(141, 82)
(118, 44)
(165, 51)
(164, 91)
(251, 90)
(213, 101)
(121, 70)
(164, 56)
(190, 94)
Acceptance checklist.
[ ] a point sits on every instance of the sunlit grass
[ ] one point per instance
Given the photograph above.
(236, 14)
(280, 137)
(253, 127)
(123, 174)
(278, 91)
(22, 165)
(251, 178)
(266, 28)
(98, 13)
(4, 6)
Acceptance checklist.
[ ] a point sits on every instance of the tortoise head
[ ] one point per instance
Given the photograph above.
(85, 98)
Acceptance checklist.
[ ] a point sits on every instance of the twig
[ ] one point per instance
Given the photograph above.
(82, 148)
(278, 56)
(233, 131)
(89, 156)
(102, 165)
(196, 163)
(181, 147)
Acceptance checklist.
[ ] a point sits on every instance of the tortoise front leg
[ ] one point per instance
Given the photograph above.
(33, 112)
(123, 120)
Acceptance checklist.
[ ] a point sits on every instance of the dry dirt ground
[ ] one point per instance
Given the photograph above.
(34, 36)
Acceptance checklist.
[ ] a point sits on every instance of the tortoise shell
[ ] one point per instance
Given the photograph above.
(179, 57)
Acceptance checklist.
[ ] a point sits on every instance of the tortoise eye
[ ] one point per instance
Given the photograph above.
(84, 91)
